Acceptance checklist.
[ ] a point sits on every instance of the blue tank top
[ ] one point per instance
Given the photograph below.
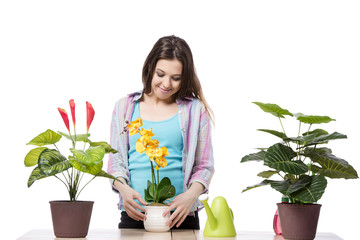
(168, 132)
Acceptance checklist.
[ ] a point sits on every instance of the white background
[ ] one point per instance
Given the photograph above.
(302, 55)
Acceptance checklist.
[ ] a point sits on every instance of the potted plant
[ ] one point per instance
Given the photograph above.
(157, 191)
(301, 165)
(70, 218)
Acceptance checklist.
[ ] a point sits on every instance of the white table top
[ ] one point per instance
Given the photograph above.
(137, 234)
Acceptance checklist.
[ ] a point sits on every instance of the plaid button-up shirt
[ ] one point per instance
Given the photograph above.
(197, 155)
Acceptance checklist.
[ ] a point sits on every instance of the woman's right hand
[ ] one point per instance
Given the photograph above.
(131, 207)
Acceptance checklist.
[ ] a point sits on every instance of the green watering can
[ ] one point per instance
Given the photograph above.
(220, 221)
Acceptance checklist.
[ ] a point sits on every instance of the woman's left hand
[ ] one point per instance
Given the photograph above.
(182, 204)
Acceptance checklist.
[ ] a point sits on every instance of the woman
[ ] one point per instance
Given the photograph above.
(173, 105)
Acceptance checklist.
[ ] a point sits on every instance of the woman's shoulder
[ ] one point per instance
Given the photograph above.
(192, 102)
(129, 98)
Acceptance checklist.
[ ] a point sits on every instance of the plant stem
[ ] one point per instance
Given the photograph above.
(158, 179)
(287, 143)
(62, 182)
(84, 187)
(153, 179)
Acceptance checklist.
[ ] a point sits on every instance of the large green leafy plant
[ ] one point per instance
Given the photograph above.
(302, 163)
(69, 170)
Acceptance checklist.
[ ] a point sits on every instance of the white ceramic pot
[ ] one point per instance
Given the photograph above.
(155, 222)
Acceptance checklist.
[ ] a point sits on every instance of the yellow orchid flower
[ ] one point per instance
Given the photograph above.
(154, 143)
(134, 126)
(144, 132)
(150, 151)
(141, 143)
(160, 161)
(161, 152)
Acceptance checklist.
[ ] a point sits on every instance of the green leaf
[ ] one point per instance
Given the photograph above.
(313, 191)
(79, 137)
(151, 189)
(275, 133)
(280, 158)
(35, 175)
(91, 157)
(259, 156)
(46, 138)
(105, 145)
(273, 109)
(313, 119)
(325, 138)
(299, 184)
(106, 175)
(267, 174)
(165, 193)
(163, 183)
(280, 186)
(263, 183)
(148, 197)
(317, 132)
(164, 190)
(32, 158)
(331, 166)
(51, 162)
(93, 169)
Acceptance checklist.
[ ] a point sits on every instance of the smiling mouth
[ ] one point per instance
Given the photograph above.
(164, 90)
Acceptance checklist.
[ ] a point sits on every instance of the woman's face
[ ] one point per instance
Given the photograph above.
(166, 79)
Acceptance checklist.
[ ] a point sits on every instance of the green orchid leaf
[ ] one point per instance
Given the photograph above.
(163, 183)
(280, 158)
(46, 138)
(313, 119)
(263, 183)
(32, 158)
(148, 198)
(91, 157)
(259, 156)
(105, 145)
(313, 191)
(267, 174)
(165, 193)
(51, 162)
(151, 189)
(35, 175)
(79, 137)
(331, 166)
(275, 133)
(273, 109)
(93, 168)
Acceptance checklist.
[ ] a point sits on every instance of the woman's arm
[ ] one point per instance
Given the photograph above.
(129, 195)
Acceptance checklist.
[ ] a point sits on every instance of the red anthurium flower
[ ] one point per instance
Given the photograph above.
(72, 107)
(65, 117)
(89, 115)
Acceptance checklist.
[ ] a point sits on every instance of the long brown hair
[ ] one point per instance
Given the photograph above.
(172, 47)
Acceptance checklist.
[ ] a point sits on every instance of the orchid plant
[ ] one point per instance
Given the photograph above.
(69, 170)
(301, 163)
(157, 192)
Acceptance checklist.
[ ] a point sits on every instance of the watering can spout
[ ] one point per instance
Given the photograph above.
(219, 218)
(211, 218)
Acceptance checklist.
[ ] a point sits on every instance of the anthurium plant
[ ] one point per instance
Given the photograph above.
(69, 170)
(302, 163)
(157, 192)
